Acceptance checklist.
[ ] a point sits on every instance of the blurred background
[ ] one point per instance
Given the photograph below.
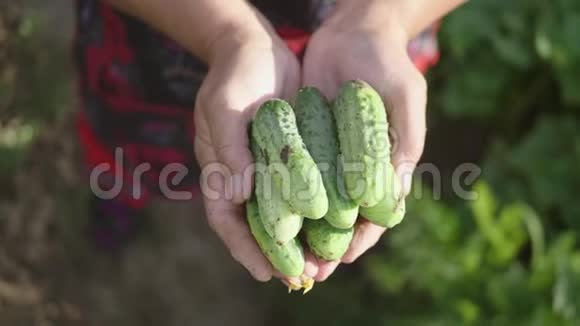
(506, 96)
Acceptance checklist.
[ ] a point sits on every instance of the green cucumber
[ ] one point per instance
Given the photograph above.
(391, 209)
(280, 223)
(326, 241)
(299, 180)
(364, 142)
(318, 130)
(287, 258)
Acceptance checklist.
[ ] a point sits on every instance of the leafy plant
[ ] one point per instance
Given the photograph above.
(512, 256)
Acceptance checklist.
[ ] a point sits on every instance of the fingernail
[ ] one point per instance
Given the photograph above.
(247, 182)
(310, 268)
(262, 276)
(238, 188)
(405, 174)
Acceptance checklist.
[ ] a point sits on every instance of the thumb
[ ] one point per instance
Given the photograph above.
(407, 100)
(228, 130)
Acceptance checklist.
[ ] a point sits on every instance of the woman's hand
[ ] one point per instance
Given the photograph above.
(244, 73)
(368, 41)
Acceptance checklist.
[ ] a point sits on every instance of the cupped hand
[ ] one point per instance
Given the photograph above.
(360, 45)
(242, 75)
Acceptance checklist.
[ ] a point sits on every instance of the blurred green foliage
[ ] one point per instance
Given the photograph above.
(506, 57)
(511, 257)
(34, 82)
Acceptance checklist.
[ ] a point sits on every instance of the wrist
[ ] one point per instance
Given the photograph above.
(371, 16)
(233, 37)
(411, 16)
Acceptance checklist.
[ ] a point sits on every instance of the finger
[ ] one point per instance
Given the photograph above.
(228, 131)
(325, 269)
(310, 264)
(227, 220)
(407, 99)
(365, 237)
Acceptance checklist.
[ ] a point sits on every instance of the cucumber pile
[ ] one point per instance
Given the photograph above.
(318, 166)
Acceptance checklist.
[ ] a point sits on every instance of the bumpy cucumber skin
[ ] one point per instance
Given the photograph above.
(287, 258)
(280, 223)
(318, 130)
(363, 136)
(385, 214)
(326, 241)
(390, 211)
(275, 131)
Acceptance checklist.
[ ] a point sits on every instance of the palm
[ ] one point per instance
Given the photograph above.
(237, 83)
(380, 59)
